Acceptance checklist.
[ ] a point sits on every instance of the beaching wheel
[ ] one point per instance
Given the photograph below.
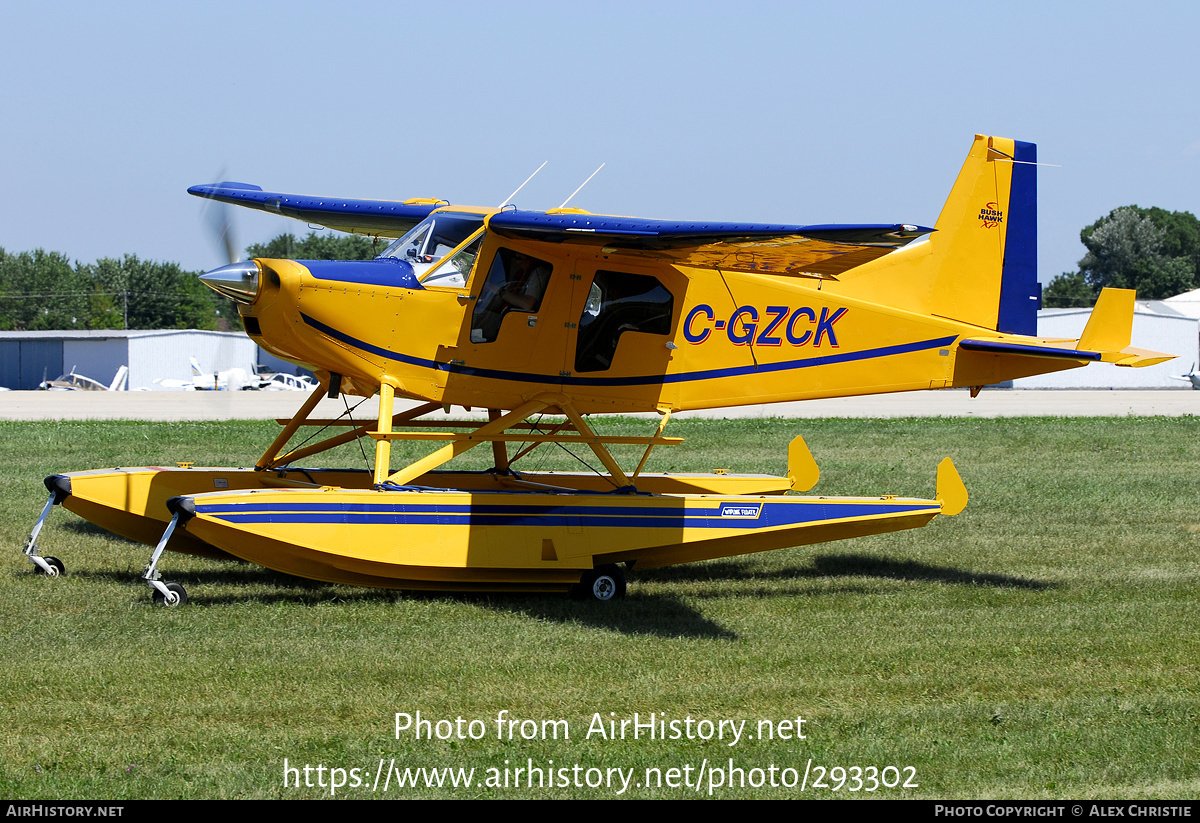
(57, 569)
(603, 584)
(181, 597)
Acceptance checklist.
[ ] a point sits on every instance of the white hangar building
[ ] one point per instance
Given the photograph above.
(1158, 325)
(29, 357)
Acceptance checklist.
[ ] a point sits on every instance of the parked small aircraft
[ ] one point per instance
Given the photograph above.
(1192, 377)
(233, 379)
(78, 382)
(567, 313)
(281, 382)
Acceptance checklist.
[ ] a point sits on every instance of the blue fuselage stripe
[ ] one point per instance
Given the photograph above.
(641, 380)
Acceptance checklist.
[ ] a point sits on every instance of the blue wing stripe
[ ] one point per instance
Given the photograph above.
(345, 214)
(683, 231)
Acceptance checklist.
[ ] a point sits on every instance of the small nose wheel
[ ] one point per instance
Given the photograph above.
(174, 595)
(602, 584)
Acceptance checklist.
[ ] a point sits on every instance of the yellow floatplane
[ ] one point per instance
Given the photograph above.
(569, 314)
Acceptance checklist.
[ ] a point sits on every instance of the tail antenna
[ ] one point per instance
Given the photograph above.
(581, 185)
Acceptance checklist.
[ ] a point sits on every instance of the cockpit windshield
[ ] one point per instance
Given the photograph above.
(433, 238)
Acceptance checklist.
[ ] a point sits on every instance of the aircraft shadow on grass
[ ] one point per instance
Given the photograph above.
(823, 565)
(668, 615)
(664, 615)
(849, 565)
(82, 528)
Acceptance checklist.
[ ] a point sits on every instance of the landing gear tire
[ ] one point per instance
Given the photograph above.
(178, 591)
(602, 584)
(57, 569)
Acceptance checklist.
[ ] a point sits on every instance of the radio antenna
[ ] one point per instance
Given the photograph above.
(508, 199)
(581, 185)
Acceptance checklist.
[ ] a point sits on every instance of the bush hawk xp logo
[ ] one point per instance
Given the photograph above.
(991, 215)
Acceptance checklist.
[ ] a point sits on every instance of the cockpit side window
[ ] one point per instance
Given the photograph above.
(426, 243)
(515, 282)
(454, 271)
(412, 244)
(619, 302)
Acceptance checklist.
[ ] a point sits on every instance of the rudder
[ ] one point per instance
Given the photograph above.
(1020, 292)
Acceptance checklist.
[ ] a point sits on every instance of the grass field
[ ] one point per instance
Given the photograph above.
(1042, 644)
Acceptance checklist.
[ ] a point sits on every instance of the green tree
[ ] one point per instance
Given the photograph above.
(149, 295)
(1067, 291)
(318, 247)
(105, 310)
(41, 290)
(1152, 250)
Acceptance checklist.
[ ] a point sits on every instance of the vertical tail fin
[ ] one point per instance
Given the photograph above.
(988, 228)
(980, 266)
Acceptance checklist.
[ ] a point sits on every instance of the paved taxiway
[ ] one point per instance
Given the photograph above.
(946, 403)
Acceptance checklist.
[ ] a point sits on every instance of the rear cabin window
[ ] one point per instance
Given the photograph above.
(619, 302)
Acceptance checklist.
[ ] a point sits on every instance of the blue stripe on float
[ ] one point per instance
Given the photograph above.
(375, 508)
(772, 515)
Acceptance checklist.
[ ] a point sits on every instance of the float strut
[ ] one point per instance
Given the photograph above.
(182, 510)
(59, 486)
(31, 544)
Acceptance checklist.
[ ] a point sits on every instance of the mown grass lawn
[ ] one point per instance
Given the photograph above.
(1042, 644)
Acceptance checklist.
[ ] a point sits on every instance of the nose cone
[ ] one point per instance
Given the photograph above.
(237, 281)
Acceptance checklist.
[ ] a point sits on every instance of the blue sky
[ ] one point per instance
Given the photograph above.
(779, 112)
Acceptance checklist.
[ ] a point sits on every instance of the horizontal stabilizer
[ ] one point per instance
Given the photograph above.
(1033, 349)
(1137, 358)
(1105, 338)
(1127, 356)
(1110, 329)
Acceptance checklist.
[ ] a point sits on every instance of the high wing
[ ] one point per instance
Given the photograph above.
(376, 218)
(820, 250)
(816, 251)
